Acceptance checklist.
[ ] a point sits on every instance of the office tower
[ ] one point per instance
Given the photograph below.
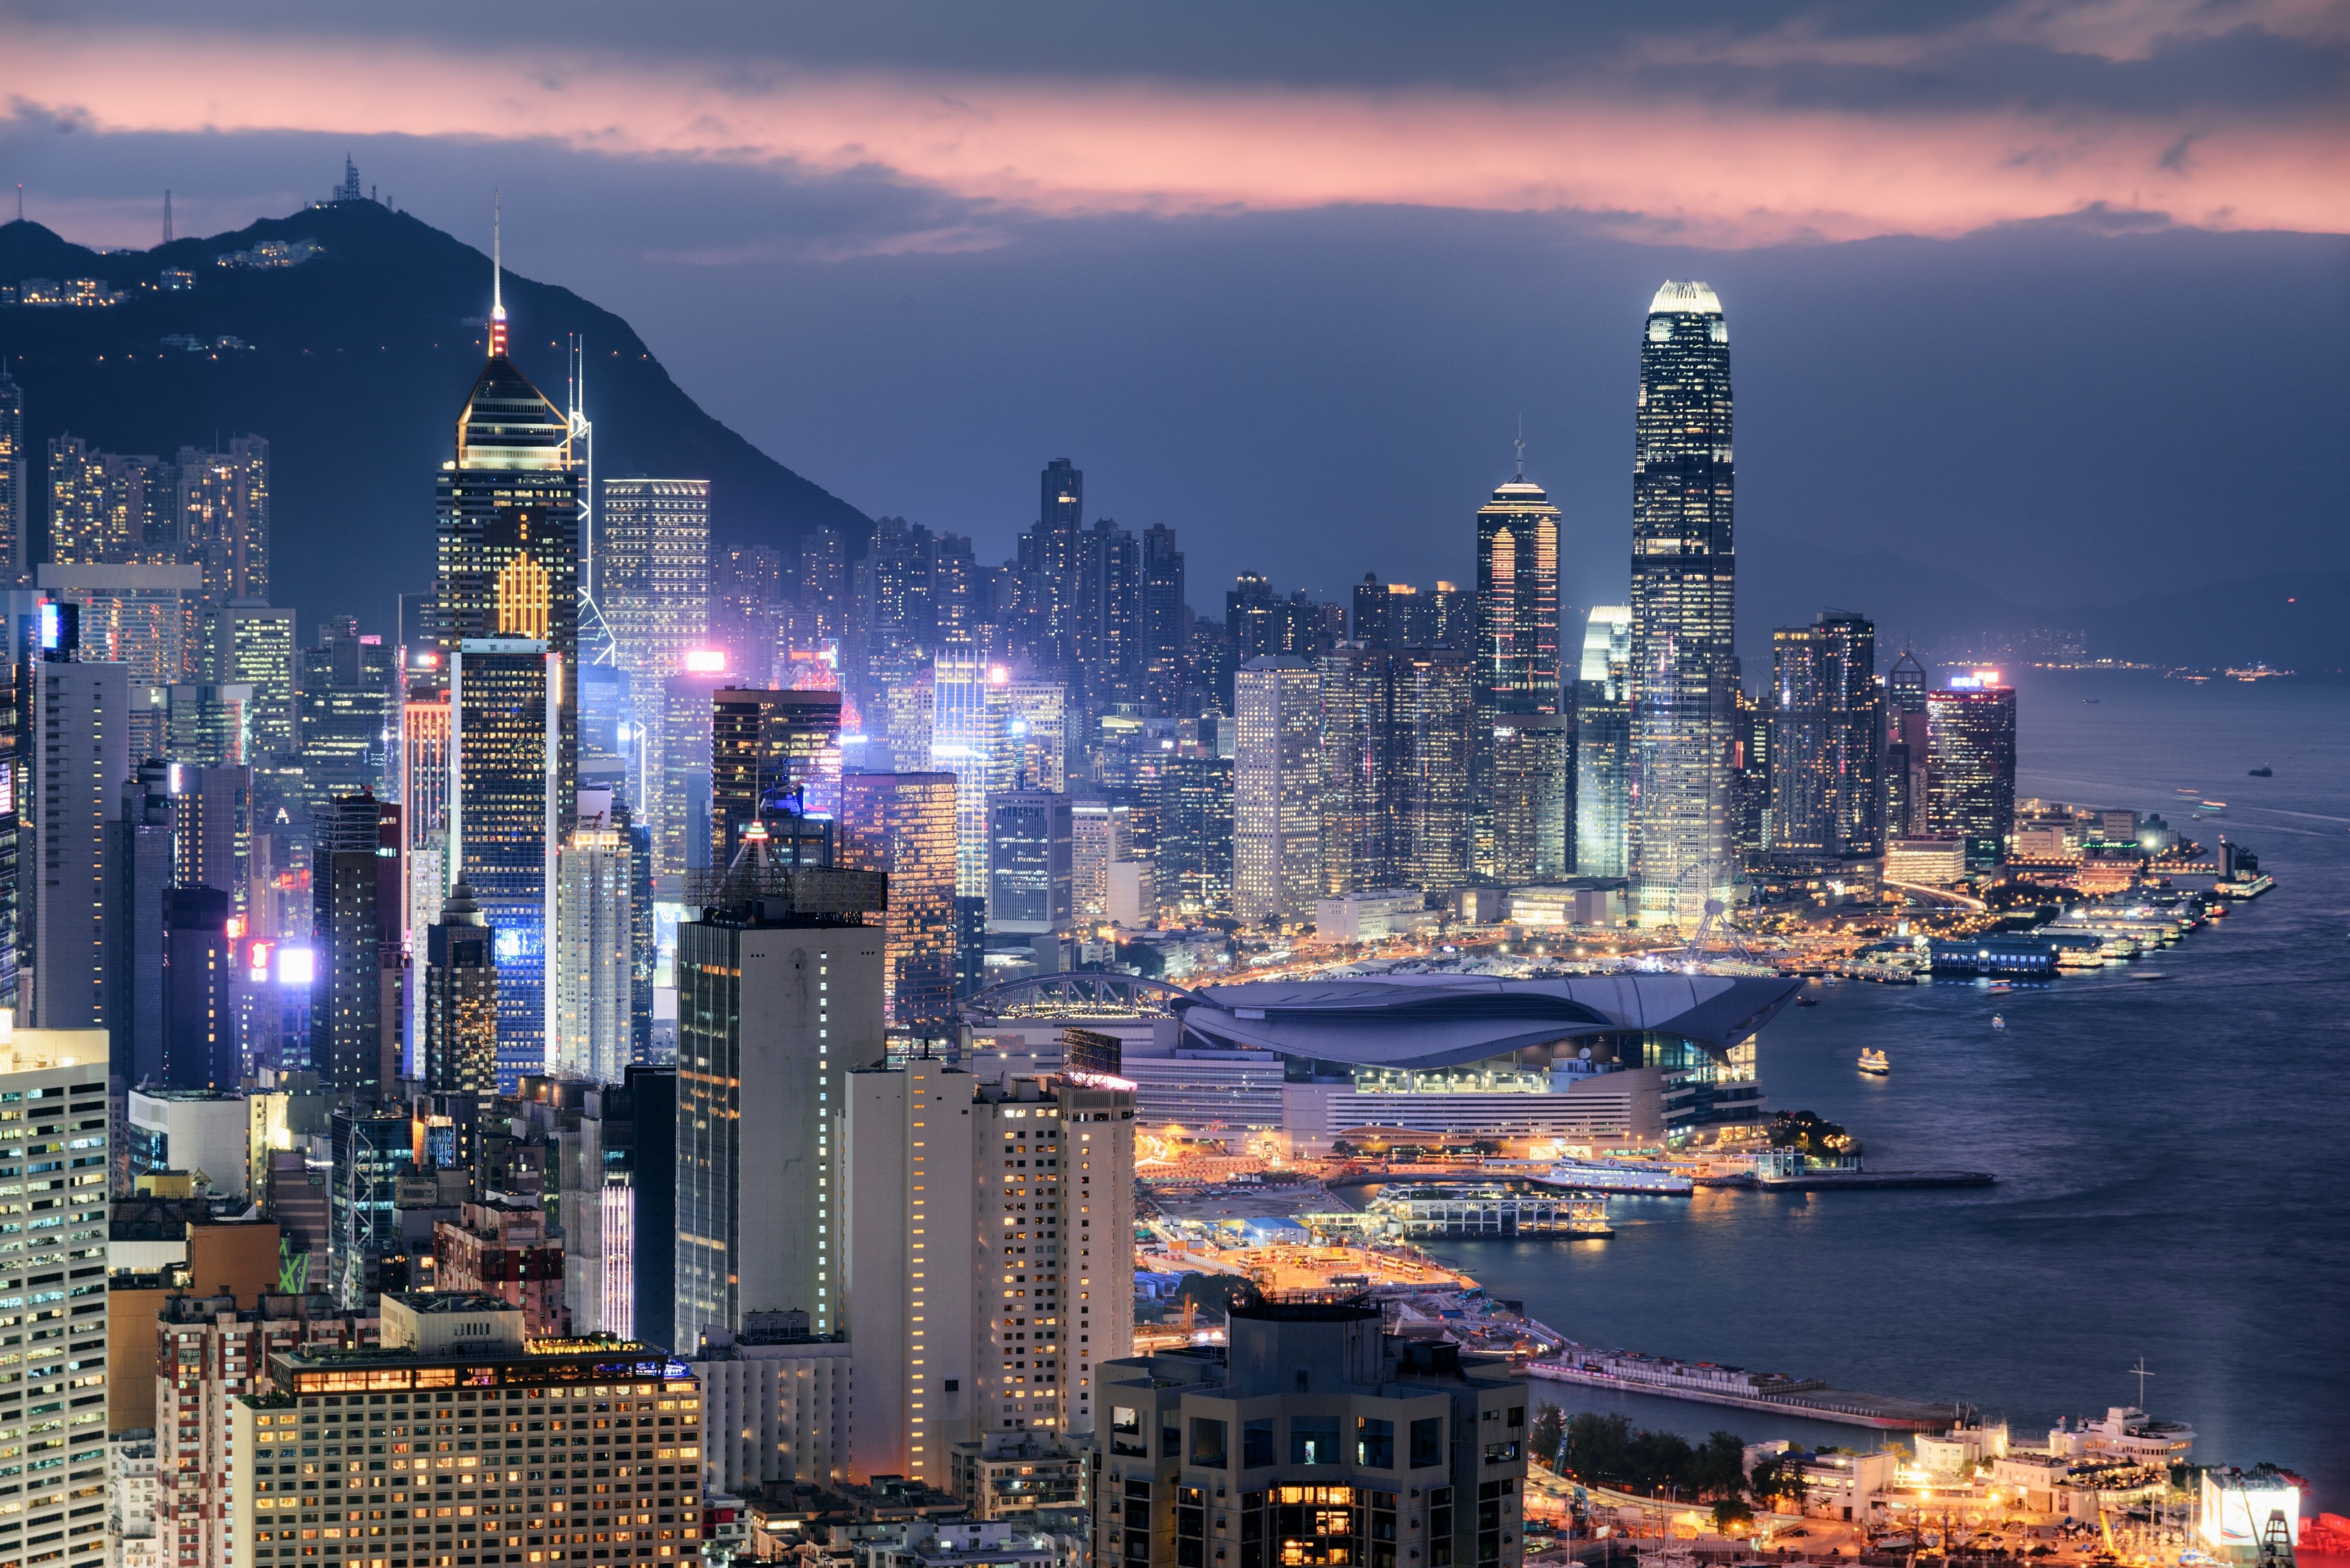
(503, 1248)
(679, 810)
(506, 810)
(593, 954)
(1101, 833)
(903, 826)
(372, 1149)
(1602, 742)
(769, 742)
(1684, 676)
(1825, 720)
(507, 563)
(1517, 639)
(1434, 719)
(14, 517)
(652, 573)
(205, 725)
(959, 745)
(459, 1050)
(347, 1003)
(1374, 620)
(60, 1079)
(253, 646)
(1277, 791)
(1444, 617)
(141, 861)
(222, 523)
(1337, 1442)
(824, 585)
(1107, 628)
(347, 697)
(963, 1326)
(466, 1357)
(1907, 749)
(17, 671)
(1533, 798)
(776, 1402)
(216, 1350)
(1256, 619)
(1165, 619)
(598, 1208)
(771, 1009)
(1751, 738)
(81, 754)
(1027, 733)
(646, 1102)
(1360, 827)
(138, 615)
(199, 1043)
(1028, 862)
(1970, 776)
(643, 954)
(1193, 857)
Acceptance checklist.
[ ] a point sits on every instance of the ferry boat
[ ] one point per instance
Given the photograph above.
(1873, 1064)
(1618, 1175)
(2215, 805)
(2262, 773)
(2182, 789)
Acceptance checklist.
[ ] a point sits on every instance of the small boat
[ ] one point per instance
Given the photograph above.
(2184, 790)
(1997, 1022)
(2092, 701)
(2148, 974)
(2215, 805)
(1807, 1001)
(2263, 773)
(1997, 986)
(1873, 1064)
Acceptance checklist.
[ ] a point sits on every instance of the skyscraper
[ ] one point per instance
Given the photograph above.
(1533, 798)
(1277, 791)
(903, 826)
(200, 1037)
(252, 646)
(1825, 717)
(1029, 871)
(1684, 658)
(1907, 750)
(81, 754)
(1971, 780)
(1027, 733)
(347, 700)
(1434, 732)
(1603, 743)
(772, 1011)
(13, 517)
(761, 742)
(346, 1022)
(459, 1049)
(591, 959)
(1361, 829)
(1191, 857)
(139, 860)
(507, 551)
(959, 745)
(652, 570)
(505, 809)
(1060, 519)
(1164, 620)
(223, 519)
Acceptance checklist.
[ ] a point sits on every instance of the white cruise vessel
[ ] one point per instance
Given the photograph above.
(1618, 1175)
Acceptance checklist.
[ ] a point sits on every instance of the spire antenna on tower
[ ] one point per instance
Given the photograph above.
(167, 215)
(497, 276)
(1522, 449)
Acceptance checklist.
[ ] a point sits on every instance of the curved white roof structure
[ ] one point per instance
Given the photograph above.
(1692, 298)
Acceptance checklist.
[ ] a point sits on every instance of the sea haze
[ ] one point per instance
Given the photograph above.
(2169, 1155)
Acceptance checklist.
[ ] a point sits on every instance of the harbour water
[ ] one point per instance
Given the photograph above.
(2172, 1157)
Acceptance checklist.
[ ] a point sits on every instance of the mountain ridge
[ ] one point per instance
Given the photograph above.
(359, 360)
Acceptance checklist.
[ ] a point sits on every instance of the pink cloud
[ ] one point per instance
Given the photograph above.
(1714, 173)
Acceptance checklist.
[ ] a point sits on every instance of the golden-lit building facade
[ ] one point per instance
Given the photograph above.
(903, 826)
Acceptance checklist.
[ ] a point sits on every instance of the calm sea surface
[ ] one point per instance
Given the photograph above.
(2172, 1157)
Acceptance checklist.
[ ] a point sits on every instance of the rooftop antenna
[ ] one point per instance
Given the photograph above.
(1522, 449)
(167, 215)
(497, 276)
(2141, 1373)
(20, 200)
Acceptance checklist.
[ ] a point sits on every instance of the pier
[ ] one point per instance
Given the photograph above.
(1821, 1180)
(1491, 1211)
(1631, 1374)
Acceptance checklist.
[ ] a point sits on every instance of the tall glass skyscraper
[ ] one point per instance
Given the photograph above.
(1517, 662)
(505, 816)
(1602, 742)
(1684, 658)
(1825, 717)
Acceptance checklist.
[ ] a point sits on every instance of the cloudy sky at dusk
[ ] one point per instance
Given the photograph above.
(2048, 296)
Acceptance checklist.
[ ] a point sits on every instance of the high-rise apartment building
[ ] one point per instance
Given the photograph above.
(1327, 1442)
(58, 1081)
(141, 616)
(505, 811)
(200, 1039)
(1603, 743)
(1101, 833)
(903, 826)
(456, 1361)
(771, 1009)
(1533, 798)
(591, 956)
(107, 508)
(988, 1227)
(766, 742)
(81, 754)
(1277, 791)
(1684, 571)
(1056, 550)
(1826, 718)
(1163, 620)
(777, 1404)
(222, 522)
(252, 646)
(619, 1255)
(1971, 778)
(1030, 887)
(506, 565)
(1361, 830)
(652, 573)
